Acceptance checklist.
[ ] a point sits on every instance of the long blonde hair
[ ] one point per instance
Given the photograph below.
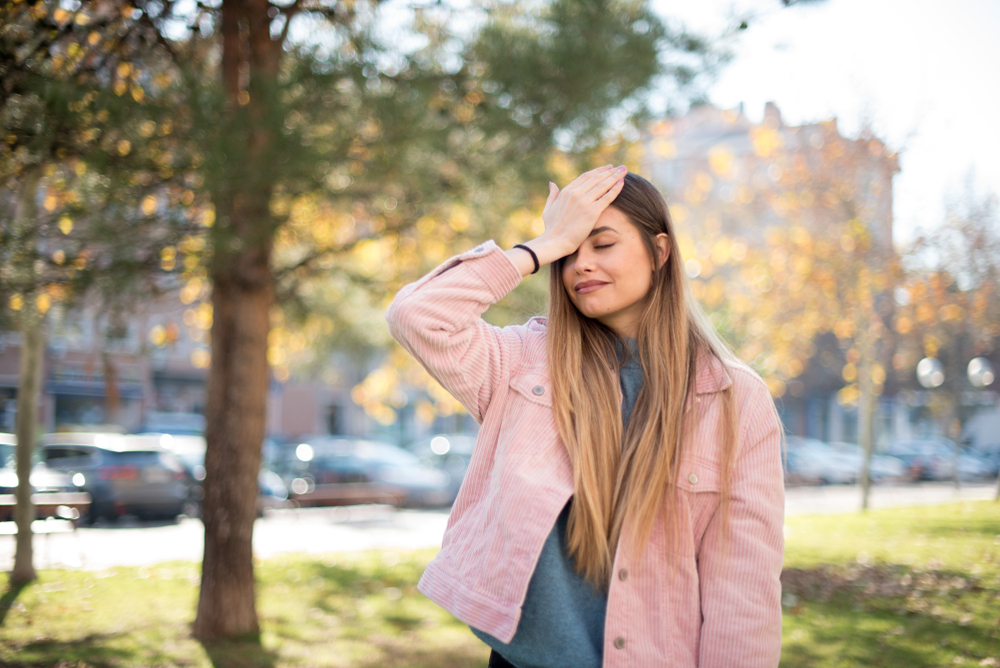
(626, 477)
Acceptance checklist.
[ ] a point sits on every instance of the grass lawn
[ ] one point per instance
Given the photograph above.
(909, 587)
(914, 587)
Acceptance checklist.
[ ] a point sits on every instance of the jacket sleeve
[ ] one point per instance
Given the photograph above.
(437, 320)
(740, 572)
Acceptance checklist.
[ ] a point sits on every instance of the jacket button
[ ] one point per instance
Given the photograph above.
(623, 574)
(538, 390)
(620, 642)
(692, 478)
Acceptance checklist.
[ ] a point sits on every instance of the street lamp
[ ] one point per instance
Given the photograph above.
(930, 372)
(980, 372)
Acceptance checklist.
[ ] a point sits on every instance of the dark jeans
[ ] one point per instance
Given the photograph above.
(497, 661)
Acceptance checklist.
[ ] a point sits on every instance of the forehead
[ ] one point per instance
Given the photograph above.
(613, 219)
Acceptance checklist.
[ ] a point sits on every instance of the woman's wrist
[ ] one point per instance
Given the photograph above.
(546, 249)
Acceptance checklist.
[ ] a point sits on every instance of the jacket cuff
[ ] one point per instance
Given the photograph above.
(491, 264)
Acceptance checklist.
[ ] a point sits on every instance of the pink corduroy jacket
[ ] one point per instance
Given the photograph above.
(717, 605)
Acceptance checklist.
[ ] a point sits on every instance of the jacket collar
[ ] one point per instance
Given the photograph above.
(712, 375)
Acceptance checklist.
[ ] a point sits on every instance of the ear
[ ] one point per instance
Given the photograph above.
(662, 249)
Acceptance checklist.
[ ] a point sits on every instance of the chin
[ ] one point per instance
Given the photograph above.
(588, 311)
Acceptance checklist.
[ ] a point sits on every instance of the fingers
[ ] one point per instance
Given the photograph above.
(585, 181)
(612, 193)
(553, 193)
(609, 180)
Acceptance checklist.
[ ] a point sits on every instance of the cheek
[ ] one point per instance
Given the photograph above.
(567, 276)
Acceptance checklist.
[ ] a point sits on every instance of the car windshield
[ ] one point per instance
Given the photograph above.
(370, 451)
(134, 457)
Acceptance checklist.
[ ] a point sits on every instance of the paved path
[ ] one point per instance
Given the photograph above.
(324, 530)
(847, 498)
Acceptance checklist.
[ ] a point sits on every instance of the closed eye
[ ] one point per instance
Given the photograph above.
(604, 246)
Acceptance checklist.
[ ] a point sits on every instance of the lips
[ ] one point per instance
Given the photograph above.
(588, 286)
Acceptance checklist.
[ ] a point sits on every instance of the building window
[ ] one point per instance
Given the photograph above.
(334, 419)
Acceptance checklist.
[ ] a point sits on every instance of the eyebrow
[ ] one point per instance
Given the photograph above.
(598, 230)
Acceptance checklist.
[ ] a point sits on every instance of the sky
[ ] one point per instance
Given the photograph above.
(923, 74)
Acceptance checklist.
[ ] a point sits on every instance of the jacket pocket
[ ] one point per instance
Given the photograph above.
(698, 487)
(699, 475)
(534, 387)
(529, 440)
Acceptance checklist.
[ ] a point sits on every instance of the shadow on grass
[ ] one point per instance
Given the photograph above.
(400, 655)
(248, 653)
(837, 634)
(9, 597)
(886, 615)
(91, 650)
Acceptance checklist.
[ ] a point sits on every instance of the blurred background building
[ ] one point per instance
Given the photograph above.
(725, 175)
(722, 175)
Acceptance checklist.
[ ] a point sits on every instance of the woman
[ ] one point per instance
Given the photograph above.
(624, 503)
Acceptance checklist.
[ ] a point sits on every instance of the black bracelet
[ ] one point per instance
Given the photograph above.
(533, 256)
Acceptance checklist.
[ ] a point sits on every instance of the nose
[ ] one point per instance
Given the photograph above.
(584, 261)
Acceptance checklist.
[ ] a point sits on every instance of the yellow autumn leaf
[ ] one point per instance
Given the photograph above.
(665, 148)
(201, 359)
(65, 225)
(168, 257)
(158, 336)
(720, 161)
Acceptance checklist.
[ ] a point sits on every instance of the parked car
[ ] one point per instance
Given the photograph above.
(190, 451)
(882, 468)
(973, 466)
(450, 453)
(927, 459)
(333, 471)
(990, 455)
(813, 459)
(123, 475)
(50, 489)
(798, 471)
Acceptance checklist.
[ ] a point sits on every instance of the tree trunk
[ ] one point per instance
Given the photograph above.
(32, 345)
(112, 399)
(866, 416)
(955, 433)
(242, 296)
(234, 416)
(29, 385)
